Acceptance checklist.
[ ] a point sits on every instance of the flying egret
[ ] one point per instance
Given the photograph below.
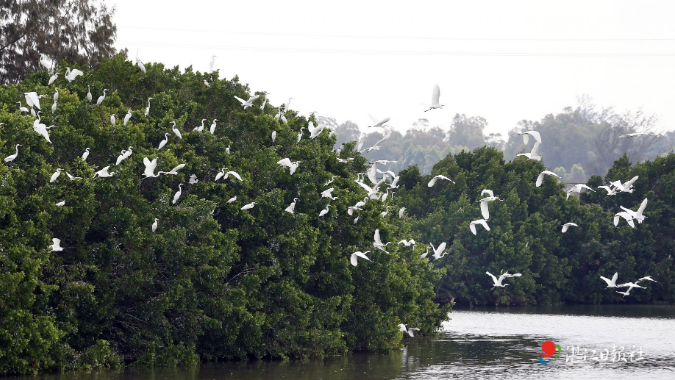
(577, 189)
(630, 286)
(324, 211)
(436, 178)
(200, 128)
(231, 200)
(154, 225)
(407, 243)
(377, 123)
(233, 174)
(358, 254)
(174, 171)
(438, 252)
(85, 154)
(611, 283)
(150, 167)
(291, 208)
(193, 179)
(498, 282)
(286, 162)
(483, 222)
(103, 173)
(484, 203)
(330, 181)
(540, 178)
(32, 99)
(609, 190)
(435, 98)
(41, 129)
(377, 243)
(248, 206)
(72, 74)
(112, 120)
(72, 177)
(55, 176)
(648, 278)
(147, 109)
(401, 212)
(163, 142)
(637, 215)
(178, 193)
(213, 126)
(625, 215)
(534, 153)
(274, 135)
(409, 331)
(247, 103)
(527, 134)
(63, 203)
(56, 246)
(567, 225)
(101, 98)
(626, 293)
(89, 96)
(12, 157)
(327, 193)
(213, 60)
(127, 117)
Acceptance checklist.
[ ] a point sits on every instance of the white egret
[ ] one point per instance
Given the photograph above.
(438, 252)
(101, 98)
(89, 96)
(32, 99)
(178, 193)
(147, 109)
(103, 173)
(577, 189)
(356, 220)
(139, 63)
(200, 128)
(330, 181)
(12, 157)
(425, 253)
(85, 154)
(291, 208)
(213, 126)
(193, 179)
(112, 120)
(609, 190)
(72, 74)
(401, 212)
(324, 211)
(163, 142)
(484, 203)
(327, 193)
(150, 167)
(174, 171)
(566, 226)
(377, 123)
(54, 107)
(44, 61)
(231, 200)
(611, 283)
(248, 206)
(626, 293)
(300, 134)
(407, 243)
(22, 108)
(534, 153)
(127, 117)
(262, 107)
(52, 79)
(227, 150)
(72, 177)
(247, 103)
(63, 203)
(385, 212)
(233, 174)
(213, 60)
(410, 331)
(42, 130)
(220, 174)
(55, 176)
(436, 178)
(378, 242)
(483, 222)
(358, 254)
(286, 162)
(176, 131)
(637, 215)
(281, 117)
(540, 178)
(435, 98)
(56, 94)
(154, 225)
(274, 135)
(56, 246)
(630, 286)
(498, 282)
(316, 131)
(625, 215)
(527, 134)
(648, 278)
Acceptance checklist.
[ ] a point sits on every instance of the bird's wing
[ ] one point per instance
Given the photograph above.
(642, 207)
(235, 174)
(177, 168)
(489, 192)
(565, 227)
(242, 101)
(540, 179)
(377, 237)
(615, 277)
(631, 182)
(535, 149)
(441, 248)
(526, 137)
(368, 188)
(484, 223)
(484, 209)
(607, 279)
(433, 181)
(472, 227)
(146, 161)
(616, 219)
(436, 95)
(535, 134)
(630, 222)
(494, 279)
(285, 162)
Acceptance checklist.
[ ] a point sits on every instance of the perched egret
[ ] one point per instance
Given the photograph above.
(127, 117)
(54, 107)
(300, 134)
(220, 174)
(213, 126)
(274, 135)
(231, 200)
(248, 206)
(85, 154)
(56, 94)
(147, 109)
(201, 127)
(163, 142)
(154, 225)
(527, 134)
(435, 98)
(72, 74)
(567, 225)
(358, 254)
(227, 150)
(291, 208)
(178, 193)
(385, 212)
(356, 220)
(56, 246)
(330, 181)
(12, 157)
(409, 331)
(176, 131)
(483, 222)
(52, 79)
(174, 171)
(324, 211)
(139, 63)
(213, 60)
(22, 108)
(436, 178)
(101, 98)
(287, 163)
(150, 167)
(112, 120)
(89, 96)
(103, 173)
(327, 193)
(193, 179)
(540, 178)
(401, 212)
(425, 253)
(611, 283)
(55, 176)
(63, 203)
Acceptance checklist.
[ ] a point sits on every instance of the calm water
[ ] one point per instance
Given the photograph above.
(481, 343)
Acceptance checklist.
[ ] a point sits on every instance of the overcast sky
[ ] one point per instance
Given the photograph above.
(503, 60)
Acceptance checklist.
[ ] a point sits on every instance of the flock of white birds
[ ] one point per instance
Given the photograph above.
(388, 178)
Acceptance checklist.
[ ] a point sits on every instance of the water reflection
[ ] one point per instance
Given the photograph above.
(482, 343)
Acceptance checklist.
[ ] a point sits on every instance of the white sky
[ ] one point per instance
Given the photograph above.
(503, 60)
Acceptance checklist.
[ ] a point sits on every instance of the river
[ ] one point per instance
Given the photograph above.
(610, 342)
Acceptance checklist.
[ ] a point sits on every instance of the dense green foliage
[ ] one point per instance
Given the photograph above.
(526, 232)
(214, 282)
